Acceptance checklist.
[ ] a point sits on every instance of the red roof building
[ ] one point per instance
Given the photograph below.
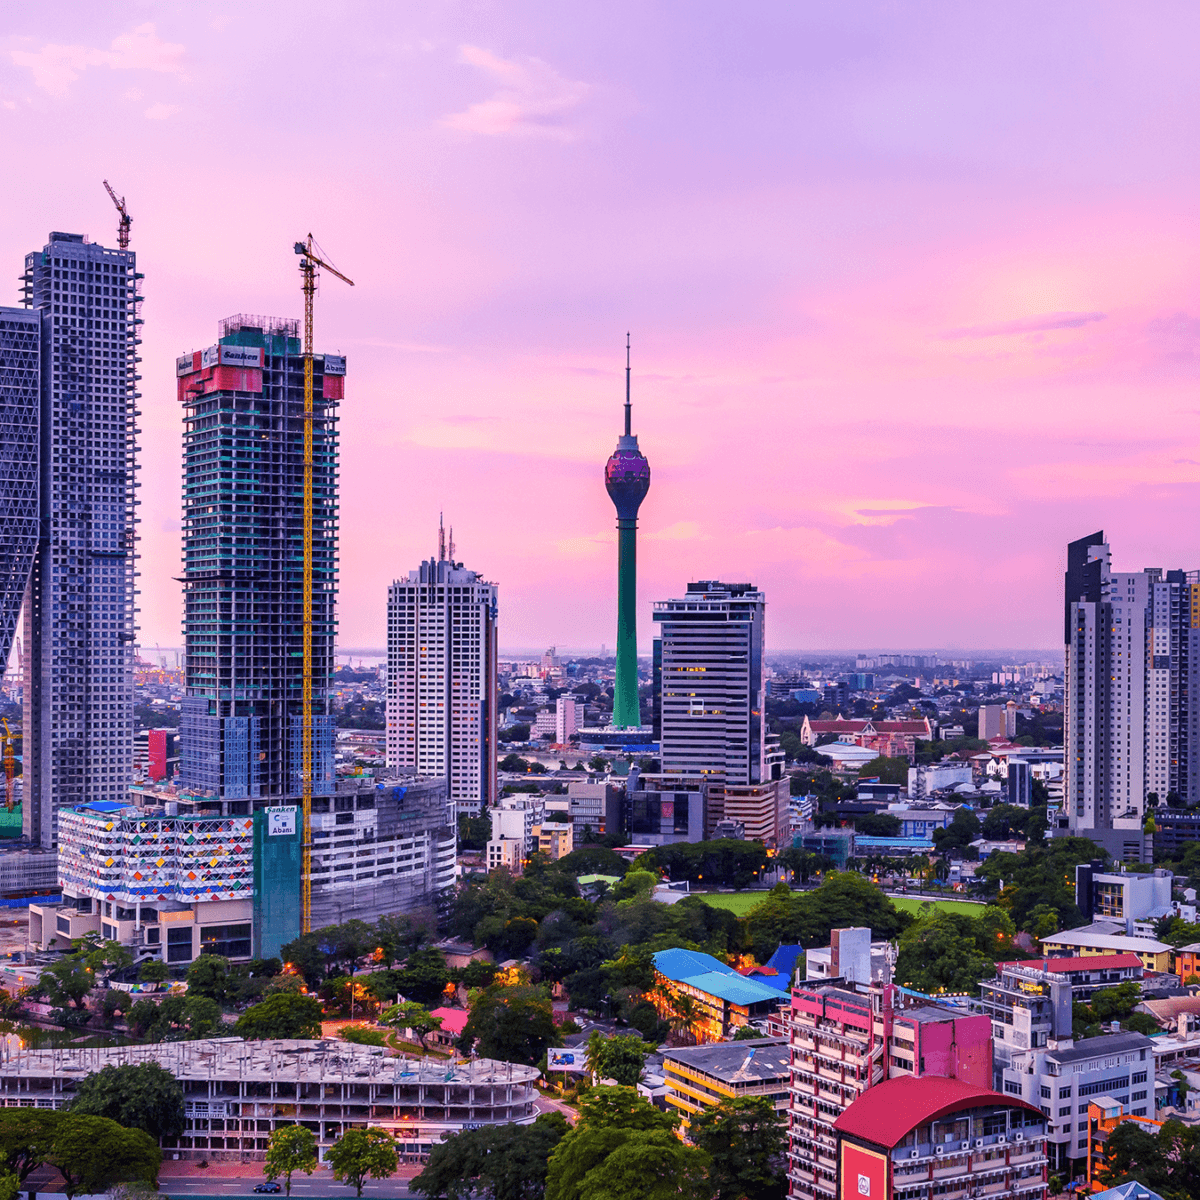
(917, 1137)
(865, 733)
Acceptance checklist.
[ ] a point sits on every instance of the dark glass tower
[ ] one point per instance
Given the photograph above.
(243, 526)
(627, 478)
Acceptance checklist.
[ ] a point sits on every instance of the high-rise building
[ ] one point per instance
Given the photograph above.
(566, 718)
(441, 679)
(68, 463)
(627, 478)
(1131, 713)
(243, 404)
(713, 701)
(20, 423)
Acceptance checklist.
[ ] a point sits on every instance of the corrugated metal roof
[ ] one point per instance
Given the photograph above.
(733, 988)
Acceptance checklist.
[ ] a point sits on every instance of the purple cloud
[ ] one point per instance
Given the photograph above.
(1039, 324)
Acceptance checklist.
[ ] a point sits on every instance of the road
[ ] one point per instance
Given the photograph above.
(319, 1187)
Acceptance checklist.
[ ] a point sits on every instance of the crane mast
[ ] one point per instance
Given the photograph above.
(125, 221)
(10, 766)
(309, 264)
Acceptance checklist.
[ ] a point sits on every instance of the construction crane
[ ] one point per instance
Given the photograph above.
(10, 766)
(126, 220)
(310, 263)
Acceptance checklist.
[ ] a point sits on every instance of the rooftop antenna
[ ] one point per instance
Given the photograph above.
(441, 538)
(628, 419)
(451, 543)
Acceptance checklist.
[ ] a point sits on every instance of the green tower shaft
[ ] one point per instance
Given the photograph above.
(626, 707)
(627, 478)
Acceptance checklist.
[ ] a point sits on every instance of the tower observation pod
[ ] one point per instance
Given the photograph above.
(627, 478)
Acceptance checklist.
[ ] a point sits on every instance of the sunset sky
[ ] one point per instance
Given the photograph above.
(914, 288)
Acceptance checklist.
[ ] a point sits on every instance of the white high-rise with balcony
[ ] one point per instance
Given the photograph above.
(441, 679)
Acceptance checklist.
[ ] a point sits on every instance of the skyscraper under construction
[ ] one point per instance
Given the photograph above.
(243, 527)
(627, 478)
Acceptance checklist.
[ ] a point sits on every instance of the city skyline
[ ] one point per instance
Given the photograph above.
(939, 305)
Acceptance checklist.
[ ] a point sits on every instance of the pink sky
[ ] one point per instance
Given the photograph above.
(914, 288)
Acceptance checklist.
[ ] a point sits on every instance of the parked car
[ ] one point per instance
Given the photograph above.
(270, 1186)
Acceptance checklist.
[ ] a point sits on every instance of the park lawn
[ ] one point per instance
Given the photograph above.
(740, 903)
(913, 904)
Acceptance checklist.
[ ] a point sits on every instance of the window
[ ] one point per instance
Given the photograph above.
(229, 941)
(63, 924)
(1064, 1093)
(1065, 1112)
(1045, 1092)
(153, 936)
(179, 944)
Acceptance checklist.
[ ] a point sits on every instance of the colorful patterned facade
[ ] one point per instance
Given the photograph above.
(124, 854)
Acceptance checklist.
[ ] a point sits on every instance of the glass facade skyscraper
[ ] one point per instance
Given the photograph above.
(243, 526)
(79, 584)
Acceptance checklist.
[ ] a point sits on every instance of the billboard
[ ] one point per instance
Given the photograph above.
(210, 357)
(281, 822)
(335, 364)
(185, 364)
(241, 356)
(864, 1173)
(566, 1060)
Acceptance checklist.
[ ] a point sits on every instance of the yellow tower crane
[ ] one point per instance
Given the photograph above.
(309, 265)
(10, 766)
(125, 221)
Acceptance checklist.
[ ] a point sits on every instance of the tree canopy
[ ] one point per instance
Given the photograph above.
(746, 1140)
(512, 1024)
(139, 1096)
(284, 1015)
(362, 1152)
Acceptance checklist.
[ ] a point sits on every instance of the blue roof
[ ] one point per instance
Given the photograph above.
(105, 806)
(735, 988)
(1127, 1191)
(784, 961)
(708, 974)
(683, 964)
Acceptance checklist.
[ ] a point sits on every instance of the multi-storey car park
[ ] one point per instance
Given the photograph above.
(243, 528)
(78, 583)
(236, 1093)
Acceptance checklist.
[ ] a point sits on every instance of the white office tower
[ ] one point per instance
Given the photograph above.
(441, 679)
(713, 703)
(79, 594)
(566, 718)
(1131, 714)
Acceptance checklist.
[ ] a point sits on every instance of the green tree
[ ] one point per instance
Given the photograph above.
(1167, 1162)
(940, 954)
(68, 981)
(960, 833)
(27, 1138)
(886, 770)
(622, 1058)
(153, 971)
(474, 833)
(92, 1153)
(400, 934)
(499, 1162)
(291, 1148)
(411, 1015)
(512, 1024)
(623, 1146)
(175, 1018)
(281, 1016)
(142, 1096)
(209, 976)
(362, 1152)
(746, 1140)
(877, 824)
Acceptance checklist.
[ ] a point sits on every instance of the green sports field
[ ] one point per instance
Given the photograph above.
(742, 902)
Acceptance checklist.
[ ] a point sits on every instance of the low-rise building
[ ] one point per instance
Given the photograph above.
(1065, 1076)
(716, 999)
(1104, 1116)
(1185, 962)
(1122, 898)
(1106, 940)
(920, 1139)
(701, 1077)
(554, 839)
(237, 1093)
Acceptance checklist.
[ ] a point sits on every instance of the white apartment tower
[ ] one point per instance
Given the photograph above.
(80, 590)
(713, 698)
(441, 679)
(1132, 720)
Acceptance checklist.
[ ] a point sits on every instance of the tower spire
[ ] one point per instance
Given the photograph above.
(628, 410)
(441, 537)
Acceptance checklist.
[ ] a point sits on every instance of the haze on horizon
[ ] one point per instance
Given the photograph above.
(914, 289)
